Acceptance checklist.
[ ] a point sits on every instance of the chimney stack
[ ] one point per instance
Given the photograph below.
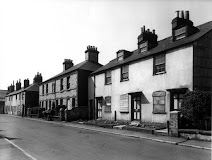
(91, 54)
(67, 64)
(26, 83)
(38, 78)
(18, 85)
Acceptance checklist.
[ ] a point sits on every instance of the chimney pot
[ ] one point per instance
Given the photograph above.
(153, 31)
(187, 15)
(177, 13)
(182, 14)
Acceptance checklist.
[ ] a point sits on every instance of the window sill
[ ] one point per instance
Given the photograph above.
(108, 83)
(123, 80)
(108, 111)
(126, 112)
(159, 112)
(159, 73)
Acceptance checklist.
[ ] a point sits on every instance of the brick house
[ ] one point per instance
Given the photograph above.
(70, 87)
(144, 85)
(18, 98)
(2, 100)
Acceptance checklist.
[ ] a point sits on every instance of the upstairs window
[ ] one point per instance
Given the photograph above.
(159, 64)
(143, 47)
(108, 77)
(180, 33)
(53, 87)
(125, 73)
(120, 56)
(42, 89)
(61, 84)
(68, 82)
(47, 89)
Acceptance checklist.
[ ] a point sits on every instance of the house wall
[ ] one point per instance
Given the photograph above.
(179, 68)
(13, 105)
(203, 63)
(64, 94)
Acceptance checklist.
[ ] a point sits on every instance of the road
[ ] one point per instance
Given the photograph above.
(44, 141)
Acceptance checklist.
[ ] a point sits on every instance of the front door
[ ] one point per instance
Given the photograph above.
(99, 108)
(136, 107)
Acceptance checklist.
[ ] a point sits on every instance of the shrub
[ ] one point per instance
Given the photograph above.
(196, 110)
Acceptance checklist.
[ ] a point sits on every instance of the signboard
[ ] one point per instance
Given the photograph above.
(124, 103)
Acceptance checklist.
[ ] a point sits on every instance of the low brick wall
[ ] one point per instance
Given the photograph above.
(195, 134)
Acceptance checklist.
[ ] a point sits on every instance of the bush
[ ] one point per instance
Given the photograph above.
(196, 110)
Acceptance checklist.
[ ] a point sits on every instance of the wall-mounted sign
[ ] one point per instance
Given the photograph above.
(124, 103)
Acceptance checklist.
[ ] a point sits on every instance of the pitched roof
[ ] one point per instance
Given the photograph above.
(85, 65)
(2, 94)
(163, 45)
(32, 87)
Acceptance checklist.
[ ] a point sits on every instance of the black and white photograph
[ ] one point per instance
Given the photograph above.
(105, 79)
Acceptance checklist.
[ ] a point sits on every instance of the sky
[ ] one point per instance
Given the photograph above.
(37, 35)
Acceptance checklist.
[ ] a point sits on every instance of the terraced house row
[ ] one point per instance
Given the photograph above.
(142, 85)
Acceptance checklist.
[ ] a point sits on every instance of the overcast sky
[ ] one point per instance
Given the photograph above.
(37, 35)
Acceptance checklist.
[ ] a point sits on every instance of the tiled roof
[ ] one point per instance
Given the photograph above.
(32, 87)
(85, 65)
(2, 94)
(163, 45)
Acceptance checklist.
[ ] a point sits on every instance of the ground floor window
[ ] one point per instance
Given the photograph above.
(159, 102)
(108, 104)
(178, 98)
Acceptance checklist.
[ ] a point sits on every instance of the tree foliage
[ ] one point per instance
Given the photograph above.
(196, 110)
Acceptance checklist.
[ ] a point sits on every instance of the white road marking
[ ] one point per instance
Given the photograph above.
(24, 152)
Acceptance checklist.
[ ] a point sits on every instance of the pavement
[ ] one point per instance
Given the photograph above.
(157, 138)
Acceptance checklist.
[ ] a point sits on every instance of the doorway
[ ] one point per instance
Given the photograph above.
(99, 102)
(136, 107)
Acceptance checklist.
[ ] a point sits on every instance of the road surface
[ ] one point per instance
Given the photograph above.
(43, 141)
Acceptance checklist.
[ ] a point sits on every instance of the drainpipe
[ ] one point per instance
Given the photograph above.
(94, 95)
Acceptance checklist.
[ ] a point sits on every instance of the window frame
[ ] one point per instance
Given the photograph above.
(123, 73)
(61, 84)
(47, 88)
(162, 64)
(108, 77)
(162, 95)
(68, 82)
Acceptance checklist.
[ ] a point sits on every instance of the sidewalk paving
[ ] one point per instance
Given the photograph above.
(158, 138)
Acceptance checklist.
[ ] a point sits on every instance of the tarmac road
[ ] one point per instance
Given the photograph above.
(43, 141)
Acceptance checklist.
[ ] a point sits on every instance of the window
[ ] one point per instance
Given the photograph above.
(61, 101)
(46, 88)
(120, 56)
(180, 33)
(125, 73)
(159, 102)
(53, 87)
(68, 82)
(43, 89)
(73, 102)
(108, 104)
(16, 96)
(46, 105)
(178, 98)
(108, 77)
(159, 64)
(61, 84)
(143, 47)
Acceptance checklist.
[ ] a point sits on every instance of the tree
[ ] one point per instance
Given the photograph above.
(196, 110)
